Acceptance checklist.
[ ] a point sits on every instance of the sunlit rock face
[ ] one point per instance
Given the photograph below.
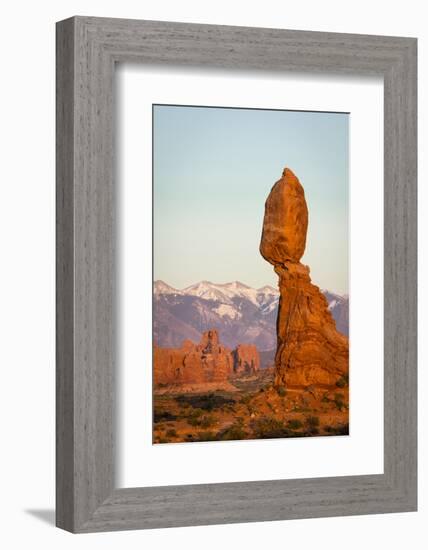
(286, 221)
(206, 362)
(246, 359)
(310, 351)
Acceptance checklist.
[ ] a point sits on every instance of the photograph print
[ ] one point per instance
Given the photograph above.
(250, 274)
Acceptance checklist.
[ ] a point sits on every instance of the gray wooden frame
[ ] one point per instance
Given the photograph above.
(87, 50)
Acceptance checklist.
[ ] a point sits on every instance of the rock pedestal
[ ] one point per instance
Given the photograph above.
(310, 351)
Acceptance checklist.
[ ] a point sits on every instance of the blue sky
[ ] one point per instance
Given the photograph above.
(214, 168)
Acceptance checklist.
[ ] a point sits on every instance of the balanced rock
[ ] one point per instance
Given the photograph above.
(286, 221)
(310, 351)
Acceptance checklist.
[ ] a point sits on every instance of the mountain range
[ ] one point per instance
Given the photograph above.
(240, 314)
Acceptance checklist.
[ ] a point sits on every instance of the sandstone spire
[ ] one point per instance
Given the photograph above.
(309, 348)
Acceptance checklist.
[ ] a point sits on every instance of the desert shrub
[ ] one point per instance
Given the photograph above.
(294, 424)
(282, 392)
(195, 413)
(206, 402)
(245, 399)
(171, 433)
(207, 436)
(338, 401)
(233, 432)
(207, 421)
(342, 381)
(163, 416)
(269, 428)
(312, 423)
(193, 421)
(341, 429)
(193, 417)
(325, 398)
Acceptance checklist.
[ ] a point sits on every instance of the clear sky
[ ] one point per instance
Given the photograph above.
(213, 170)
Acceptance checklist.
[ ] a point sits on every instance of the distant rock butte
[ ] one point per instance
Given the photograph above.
(310, 350)
(246, 359)
(205, 363)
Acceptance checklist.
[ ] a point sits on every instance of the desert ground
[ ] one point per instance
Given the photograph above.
(251, 408)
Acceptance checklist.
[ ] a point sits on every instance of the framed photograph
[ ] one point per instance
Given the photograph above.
(236, 274)
(239, 361)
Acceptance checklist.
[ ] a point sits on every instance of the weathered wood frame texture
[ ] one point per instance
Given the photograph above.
(87, 50)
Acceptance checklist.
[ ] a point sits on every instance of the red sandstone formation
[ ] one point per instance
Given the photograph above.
(210, 361)
(246, 359)
(286, 221)
(206, 362)
(309, 349)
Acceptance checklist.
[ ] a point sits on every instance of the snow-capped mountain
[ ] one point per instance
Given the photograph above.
(339, 308)
(162, 288)
(240, 313)
(224, 293)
